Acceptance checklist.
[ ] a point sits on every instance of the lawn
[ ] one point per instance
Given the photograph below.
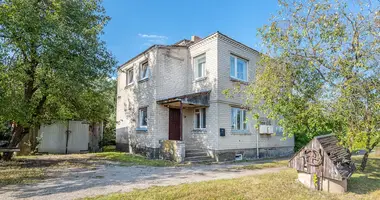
(271, 164)
(31, 169)
(282, 185)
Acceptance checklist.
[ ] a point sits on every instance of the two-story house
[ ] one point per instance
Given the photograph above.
(174, 92)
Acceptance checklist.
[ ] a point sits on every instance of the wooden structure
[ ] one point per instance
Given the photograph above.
(323, 164)
(8, 150)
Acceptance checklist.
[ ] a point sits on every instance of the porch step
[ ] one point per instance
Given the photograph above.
(195, 153)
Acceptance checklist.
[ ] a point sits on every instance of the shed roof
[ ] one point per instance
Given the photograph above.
(336, 159)
(340, 156)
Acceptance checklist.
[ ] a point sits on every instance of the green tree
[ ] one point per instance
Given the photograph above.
(51, 62)
(320, 73)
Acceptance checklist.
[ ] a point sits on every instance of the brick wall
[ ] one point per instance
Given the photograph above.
(172, 74)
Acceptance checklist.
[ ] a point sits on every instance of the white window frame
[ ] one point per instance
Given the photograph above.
(196, 66)
(129, 79)
(141, 115)
(144, 64)
(243, 120)
(202, 117)
(234, 68)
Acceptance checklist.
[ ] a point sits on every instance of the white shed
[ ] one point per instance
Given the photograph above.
(64, 137)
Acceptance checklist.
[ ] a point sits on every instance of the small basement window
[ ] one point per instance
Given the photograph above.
(238, 156)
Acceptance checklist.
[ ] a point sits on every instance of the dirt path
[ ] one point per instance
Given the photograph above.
(107, 179)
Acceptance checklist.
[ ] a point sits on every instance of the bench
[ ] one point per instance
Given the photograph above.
(8, 150)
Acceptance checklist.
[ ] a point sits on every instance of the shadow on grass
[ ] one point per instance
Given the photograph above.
(367, 181)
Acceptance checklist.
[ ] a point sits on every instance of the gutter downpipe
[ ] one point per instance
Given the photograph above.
(67, 136)
(257, 144)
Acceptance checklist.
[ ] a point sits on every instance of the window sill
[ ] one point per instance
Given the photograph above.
(199, 131)
(143, 80)
(200, 79)
(142, 129)
(240, 132)
(238, 80)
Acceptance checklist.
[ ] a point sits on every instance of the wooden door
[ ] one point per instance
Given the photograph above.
(174, 124)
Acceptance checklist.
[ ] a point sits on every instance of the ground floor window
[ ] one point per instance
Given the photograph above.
(238, 119)
(143, 115)
(200, 118)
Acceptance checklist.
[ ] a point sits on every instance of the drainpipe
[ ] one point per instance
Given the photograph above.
(257, 142)
(67, 136)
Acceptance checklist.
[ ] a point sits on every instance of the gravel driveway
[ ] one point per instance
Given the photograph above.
(107, 179)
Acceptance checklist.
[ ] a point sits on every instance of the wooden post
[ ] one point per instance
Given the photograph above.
(180, 120)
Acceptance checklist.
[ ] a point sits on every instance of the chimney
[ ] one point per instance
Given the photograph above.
(195, 38)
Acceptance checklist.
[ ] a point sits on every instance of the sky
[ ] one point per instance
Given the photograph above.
(137, 24)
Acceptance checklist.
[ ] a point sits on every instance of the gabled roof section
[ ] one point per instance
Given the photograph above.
(227, 38)
(188, 44)
(324, 156)
(340, 156)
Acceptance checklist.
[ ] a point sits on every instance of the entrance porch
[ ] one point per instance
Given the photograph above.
(180, 146)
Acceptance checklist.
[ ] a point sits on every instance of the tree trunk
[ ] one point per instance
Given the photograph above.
(364, 161)
(18, 134)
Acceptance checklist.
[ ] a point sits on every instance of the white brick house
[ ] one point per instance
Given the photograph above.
(174, 92)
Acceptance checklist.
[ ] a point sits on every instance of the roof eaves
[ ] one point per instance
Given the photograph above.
(229, 38)
(138, 55)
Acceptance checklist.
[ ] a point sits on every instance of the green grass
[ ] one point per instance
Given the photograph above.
(18, 175)
(131, 159)
(282, 185)
(273, 164)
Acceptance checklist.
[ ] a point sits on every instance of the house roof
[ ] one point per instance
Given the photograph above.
(188, 43)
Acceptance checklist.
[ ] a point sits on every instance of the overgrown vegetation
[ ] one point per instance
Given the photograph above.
(282, 185)
(320, 73)
(53, 65)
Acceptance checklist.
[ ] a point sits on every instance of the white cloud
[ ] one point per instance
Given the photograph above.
(153, 36)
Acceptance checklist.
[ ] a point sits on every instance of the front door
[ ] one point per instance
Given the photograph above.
(174, 124)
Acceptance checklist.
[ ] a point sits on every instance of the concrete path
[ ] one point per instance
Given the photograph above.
(106, 179)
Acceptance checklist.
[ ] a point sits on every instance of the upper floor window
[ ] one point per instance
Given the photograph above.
(238, 119)
(143, 117)
(144, 71)
(130, 76)
(200, 118)
(238, 68)
(200, 66)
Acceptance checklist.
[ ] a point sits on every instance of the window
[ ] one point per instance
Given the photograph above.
(200, 118)
(200, 66)
(144, 71)
(238, 119)
(143, 117)
(130, 76)
(238, 68)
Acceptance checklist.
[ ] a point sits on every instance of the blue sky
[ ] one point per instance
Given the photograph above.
(137, 24)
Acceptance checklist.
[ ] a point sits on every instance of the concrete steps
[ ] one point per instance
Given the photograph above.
(197, 156)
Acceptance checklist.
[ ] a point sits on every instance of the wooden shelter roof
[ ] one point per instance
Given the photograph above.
(324, 156)
(340, 156)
